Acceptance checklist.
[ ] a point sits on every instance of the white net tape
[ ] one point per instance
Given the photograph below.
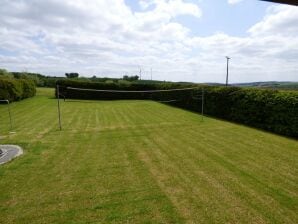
(133, 91)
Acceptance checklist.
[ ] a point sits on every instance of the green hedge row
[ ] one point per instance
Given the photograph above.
(275, 111)
(16, 89)
(272, 110)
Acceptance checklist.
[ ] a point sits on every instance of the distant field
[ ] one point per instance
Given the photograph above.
(271, 85)
(142, 162)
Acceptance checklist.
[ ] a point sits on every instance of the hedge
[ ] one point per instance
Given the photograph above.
(271, 110)
(16, 89)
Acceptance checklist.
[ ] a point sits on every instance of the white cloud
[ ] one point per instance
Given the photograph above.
(108, 38)
(172, 7)
(232, 2)
(145, 4)
(281, 20)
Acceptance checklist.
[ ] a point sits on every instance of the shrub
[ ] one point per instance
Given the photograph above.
(5, 74)
(271, 110)
(29, 88)
(16, 89)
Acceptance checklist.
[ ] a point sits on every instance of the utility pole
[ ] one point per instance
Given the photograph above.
(151, 73)
(140, 73)
(227, 77)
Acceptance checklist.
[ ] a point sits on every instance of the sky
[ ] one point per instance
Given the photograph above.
(181, 40)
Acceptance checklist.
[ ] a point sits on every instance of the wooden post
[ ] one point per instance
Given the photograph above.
(8, 109)
(9, 115)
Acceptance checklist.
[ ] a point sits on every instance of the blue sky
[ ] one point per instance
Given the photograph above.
(219, 16)
(181, 40)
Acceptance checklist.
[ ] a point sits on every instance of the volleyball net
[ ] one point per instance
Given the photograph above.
(161, 95)
(191, 97)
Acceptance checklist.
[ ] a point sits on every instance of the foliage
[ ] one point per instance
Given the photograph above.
(131, 78)
(50, 81)
(270, 110)
(124, 82)
(5, 74)
(37, 78)
(72, 75)
(16, 89)
(271, 85)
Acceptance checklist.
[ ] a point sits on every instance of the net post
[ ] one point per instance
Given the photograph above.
(8, 107)
(58, 101)
(9, 114)
(202, 109)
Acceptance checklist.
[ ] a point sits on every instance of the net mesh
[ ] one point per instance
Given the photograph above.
(191, 98)
(163, 95)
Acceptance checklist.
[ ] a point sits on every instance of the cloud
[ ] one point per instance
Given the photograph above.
(280, 20)
(173, 7)
(145, 4)
(232, 2)
(108, 38)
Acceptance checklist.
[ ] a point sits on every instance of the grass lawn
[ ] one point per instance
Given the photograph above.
(142, 162)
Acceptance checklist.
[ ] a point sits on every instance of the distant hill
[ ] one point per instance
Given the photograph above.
(270, 85)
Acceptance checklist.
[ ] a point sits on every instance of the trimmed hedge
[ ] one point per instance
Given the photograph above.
(272, 110)
(16, 89)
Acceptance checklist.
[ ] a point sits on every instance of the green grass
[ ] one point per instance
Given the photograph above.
(142, 162)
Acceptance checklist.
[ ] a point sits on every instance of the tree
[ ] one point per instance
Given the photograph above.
(131, 78)
(72, 75)
(4, 73)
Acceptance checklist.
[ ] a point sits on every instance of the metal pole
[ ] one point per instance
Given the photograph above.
(151, 73)
(202, 114)
(9, 115)
(227, 77)
(8, 109)
(59, 107)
